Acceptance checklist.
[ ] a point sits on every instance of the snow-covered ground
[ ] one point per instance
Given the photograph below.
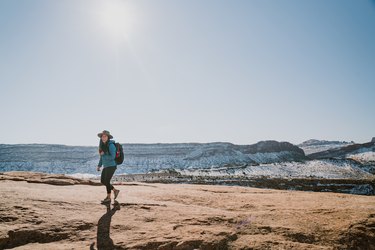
(316, 168)
(364, 156)
(139, 158)
(84, 176)
(218, 158)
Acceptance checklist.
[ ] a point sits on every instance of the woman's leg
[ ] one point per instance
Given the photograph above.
(102, 176)
(106, 177)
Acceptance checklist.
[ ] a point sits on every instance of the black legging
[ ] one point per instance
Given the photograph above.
(105, 179)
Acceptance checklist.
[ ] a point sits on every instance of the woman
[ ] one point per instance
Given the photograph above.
(107, 151)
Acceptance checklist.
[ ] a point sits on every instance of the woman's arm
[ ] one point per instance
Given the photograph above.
(100, 161)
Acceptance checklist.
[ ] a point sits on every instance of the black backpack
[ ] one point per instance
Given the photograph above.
(119, 159)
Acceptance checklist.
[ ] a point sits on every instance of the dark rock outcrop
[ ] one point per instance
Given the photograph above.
(360, 235)
(43, 234)
(271, 147)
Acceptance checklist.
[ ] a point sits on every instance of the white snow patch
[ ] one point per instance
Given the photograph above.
(83, 176)
(365, 157)
(269, 157)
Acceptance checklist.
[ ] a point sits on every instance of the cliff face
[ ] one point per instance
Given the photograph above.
(170, 216)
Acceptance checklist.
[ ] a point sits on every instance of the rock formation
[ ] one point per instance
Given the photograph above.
(343, 151)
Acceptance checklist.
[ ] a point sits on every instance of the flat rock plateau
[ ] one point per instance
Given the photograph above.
(43, 211)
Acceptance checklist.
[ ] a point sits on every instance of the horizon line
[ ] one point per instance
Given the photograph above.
(151, 143)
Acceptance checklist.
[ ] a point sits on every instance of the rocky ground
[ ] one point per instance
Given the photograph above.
(66, 214)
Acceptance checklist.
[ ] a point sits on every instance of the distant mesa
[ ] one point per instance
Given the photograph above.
(273, 146)
(314, 146)
(315, 142)
(261, 152)
(342, 152)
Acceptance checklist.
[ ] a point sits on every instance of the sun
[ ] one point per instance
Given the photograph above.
(116, 17)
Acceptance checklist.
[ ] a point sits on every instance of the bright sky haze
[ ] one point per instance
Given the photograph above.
(154, 71)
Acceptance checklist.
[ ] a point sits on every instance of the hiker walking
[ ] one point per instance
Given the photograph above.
(107, 152)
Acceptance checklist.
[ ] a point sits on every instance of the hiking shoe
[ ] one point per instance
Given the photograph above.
(106, 200)
(116, 193)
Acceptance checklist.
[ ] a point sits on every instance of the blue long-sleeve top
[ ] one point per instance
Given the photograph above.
(108, 159)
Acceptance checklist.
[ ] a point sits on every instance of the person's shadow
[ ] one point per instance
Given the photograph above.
(103, 239)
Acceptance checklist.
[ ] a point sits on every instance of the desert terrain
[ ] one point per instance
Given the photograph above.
(43, 211)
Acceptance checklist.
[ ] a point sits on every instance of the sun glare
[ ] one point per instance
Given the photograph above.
(116, 17)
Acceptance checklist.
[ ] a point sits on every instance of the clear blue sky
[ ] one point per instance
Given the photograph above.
(186, 71)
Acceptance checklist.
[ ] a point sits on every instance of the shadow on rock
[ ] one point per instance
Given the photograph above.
(103, 239)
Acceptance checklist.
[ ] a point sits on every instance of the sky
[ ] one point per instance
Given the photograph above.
(158, 71)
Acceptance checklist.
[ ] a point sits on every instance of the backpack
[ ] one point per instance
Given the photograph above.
(119, 159)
